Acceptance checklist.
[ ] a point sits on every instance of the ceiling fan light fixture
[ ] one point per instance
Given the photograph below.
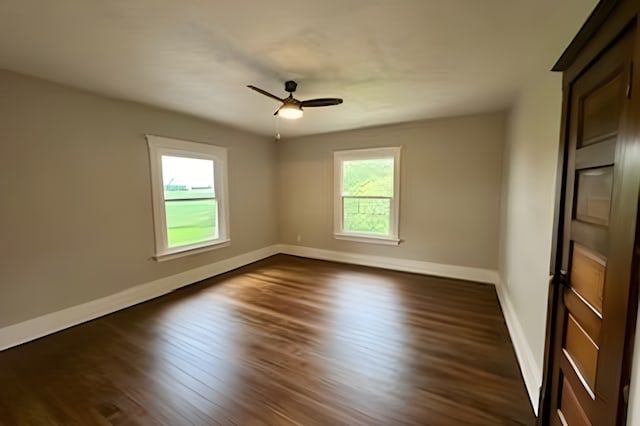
(290, 112)
(291, 108)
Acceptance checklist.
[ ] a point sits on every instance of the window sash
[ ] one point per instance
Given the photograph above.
(159, 147)
(357, 163)
(192, 222)
(366, 154)
(189, 199)
(368, 197)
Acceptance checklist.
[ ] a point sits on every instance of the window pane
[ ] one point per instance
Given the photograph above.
(185, 178)
(191, 222)
(368, 177)
(367, 215)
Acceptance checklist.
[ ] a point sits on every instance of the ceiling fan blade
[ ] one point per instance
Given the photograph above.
(264, 92)
(321, 102)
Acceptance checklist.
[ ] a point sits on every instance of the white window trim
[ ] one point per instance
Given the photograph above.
(159, 146)
(366, 154)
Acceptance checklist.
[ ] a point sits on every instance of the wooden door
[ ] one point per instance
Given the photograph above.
(594, 308)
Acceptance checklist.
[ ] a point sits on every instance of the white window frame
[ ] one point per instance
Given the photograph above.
(339, 157)
(159, 146)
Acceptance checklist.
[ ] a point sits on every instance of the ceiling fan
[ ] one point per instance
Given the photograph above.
(291, 107)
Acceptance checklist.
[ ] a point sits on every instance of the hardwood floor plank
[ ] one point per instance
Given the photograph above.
(285, 341)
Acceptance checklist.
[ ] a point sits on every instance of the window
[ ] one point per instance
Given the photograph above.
(189, 186)
(367, 195)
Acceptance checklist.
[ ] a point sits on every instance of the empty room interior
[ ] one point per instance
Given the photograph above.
(319, 213)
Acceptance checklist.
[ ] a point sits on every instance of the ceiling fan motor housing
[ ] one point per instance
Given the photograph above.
(290, 86)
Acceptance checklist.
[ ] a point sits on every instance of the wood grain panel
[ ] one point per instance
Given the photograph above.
(580, 387)
(570, 407)
(587, 275)
(582, 349)
(285, 341)
(601, 112)
(587, 318)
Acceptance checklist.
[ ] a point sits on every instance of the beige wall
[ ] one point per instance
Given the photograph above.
(450, 189)
(76, 221)
(530, 163)
(526, 216)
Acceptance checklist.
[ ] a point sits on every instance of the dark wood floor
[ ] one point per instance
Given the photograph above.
(285, 341)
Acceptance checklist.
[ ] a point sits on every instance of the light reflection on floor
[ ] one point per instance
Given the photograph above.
(368, 344)
(204, 356)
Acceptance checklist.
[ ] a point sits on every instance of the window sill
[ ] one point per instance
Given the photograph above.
(361, 238)
(195, 249)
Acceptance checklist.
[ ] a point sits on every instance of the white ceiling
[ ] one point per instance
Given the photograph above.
(391, 61)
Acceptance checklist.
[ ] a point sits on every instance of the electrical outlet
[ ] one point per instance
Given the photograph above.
(299, 238)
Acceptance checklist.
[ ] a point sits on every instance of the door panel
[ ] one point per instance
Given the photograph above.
(588, 317)
(582, 350)
(593, 204)
(570, 410)
(588, 312)
(601, 112)
(596, 238)
(579, 386)
(587, 276)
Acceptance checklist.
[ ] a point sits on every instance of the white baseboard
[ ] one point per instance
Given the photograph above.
(35, 328)
(405, 265)
(531, 371)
